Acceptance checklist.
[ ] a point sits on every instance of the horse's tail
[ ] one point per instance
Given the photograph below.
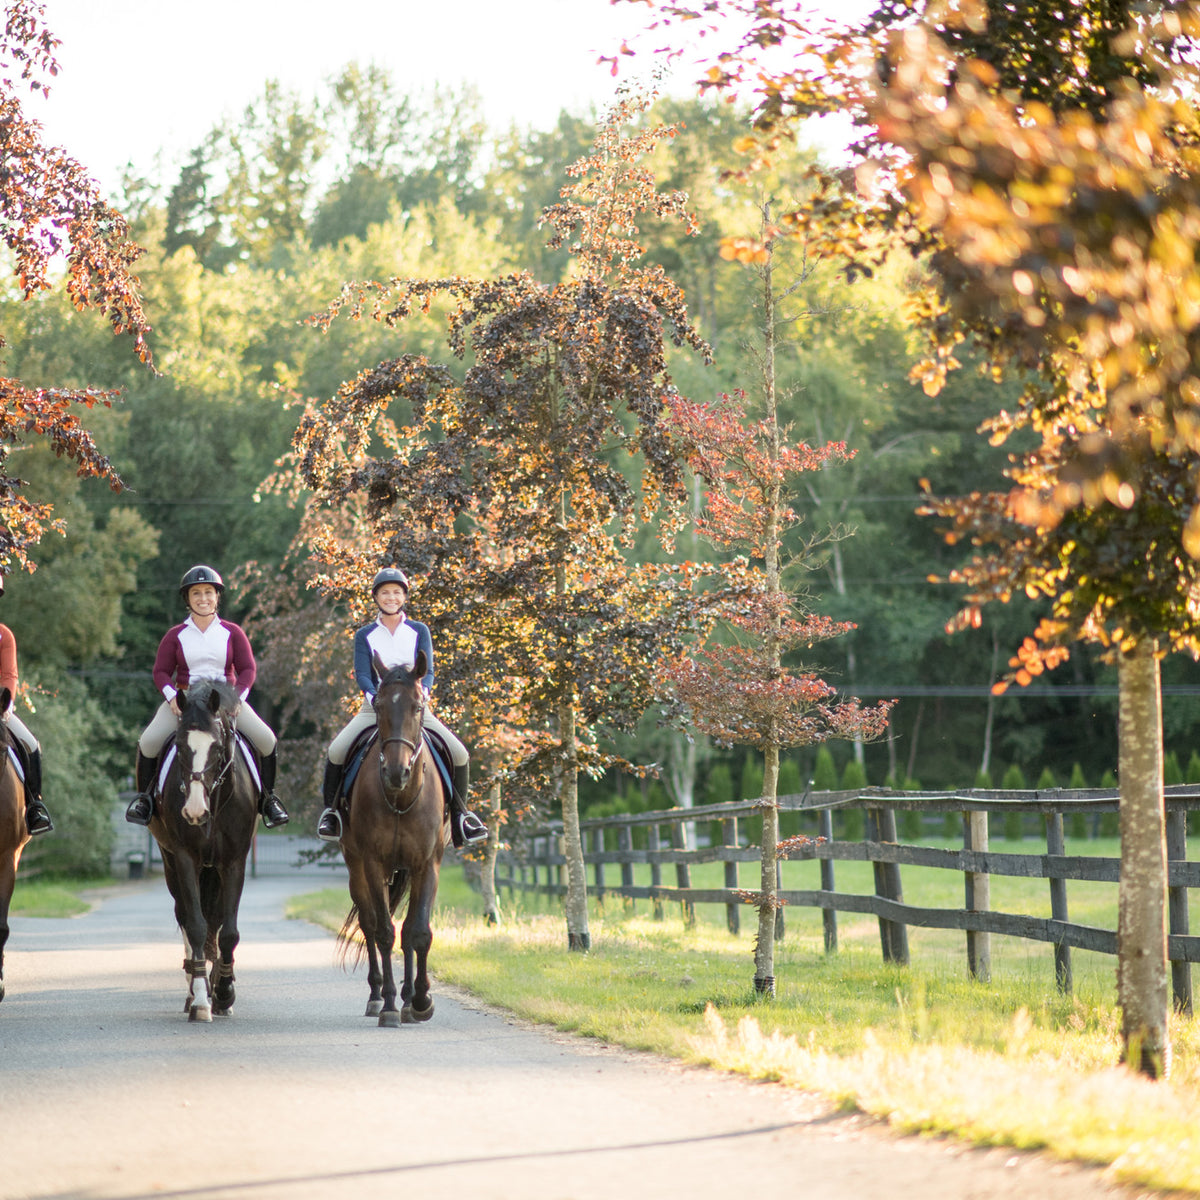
(351, 947)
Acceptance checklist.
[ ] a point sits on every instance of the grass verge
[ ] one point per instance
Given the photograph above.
(51, 897)
(1011, 1062)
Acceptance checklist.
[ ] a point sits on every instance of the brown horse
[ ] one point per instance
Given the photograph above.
(13, 834)
(393, 843)
(204, 824)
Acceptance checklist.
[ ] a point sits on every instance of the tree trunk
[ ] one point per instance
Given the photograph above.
(764, 947)
(1142, 895)
(578, 937)
(487, 869)
(683, 755)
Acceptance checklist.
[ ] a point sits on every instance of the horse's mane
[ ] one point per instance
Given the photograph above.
(198, 693)
(400, 674)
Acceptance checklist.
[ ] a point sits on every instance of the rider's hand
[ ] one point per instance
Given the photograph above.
(174, 705)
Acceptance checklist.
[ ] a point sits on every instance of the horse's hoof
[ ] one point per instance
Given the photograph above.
(200, 1012)
(374, 1008)
(187, 1004)
(412, 1016)
(389, 1019)
(222, 1012)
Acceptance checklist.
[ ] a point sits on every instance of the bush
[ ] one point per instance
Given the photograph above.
(825, 776)
(1110, 822)
(854, 776)
(718, 785)
(983, 780)
(752, 779)
(1046, 780)
(1172, 771)
(1193, 768)
(80, 759)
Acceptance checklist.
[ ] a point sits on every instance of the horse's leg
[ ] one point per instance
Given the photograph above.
(198, 1004)
(232, 882)
(362, 896)
(416, 937)
(385, 940)
(8, 880)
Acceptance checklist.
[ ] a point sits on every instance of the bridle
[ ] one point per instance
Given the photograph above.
(406, 773)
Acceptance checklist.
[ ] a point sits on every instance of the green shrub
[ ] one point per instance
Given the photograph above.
(854, 776)
(1110, 822)
(1078, 779)
(983, 780)
(1172, 771)
(1193, 768)
(825, 776)
(1046, 780)
(718, 785)
(752, 778)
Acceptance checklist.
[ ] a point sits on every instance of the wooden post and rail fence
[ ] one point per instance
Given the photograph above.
(536, 862)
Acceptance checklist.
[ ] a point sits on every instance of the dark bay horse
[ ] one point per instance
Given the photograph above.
(204, 824)
(13, 834)
(392, 843)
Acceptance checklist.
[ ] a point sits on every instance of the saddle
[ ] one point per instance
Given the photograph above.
(439, 751)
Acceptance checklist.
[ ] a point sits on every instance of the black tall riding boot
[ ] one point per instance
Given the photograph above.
(141, 807)
(329, 825)
(466, 829)
(37, 817)
(270, 806)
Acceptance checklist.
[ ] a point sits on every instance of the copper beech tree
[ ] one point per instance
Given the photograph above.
(499, 486)
(1042, 160)
(52, 220)
(746, 688)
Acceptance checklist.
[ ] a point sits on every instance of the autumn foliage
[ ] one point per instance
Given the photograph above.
(52, 218)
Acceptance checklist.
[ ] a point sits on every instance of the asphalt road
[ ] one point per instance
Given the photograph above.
(106, 1091)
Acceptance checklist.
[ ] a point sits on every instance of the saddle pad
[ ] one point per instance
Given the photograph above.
(437, 749)
(248, 757)
(16, 761)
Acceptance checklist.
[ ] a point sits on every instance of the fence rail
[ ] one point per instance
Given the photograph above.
(536, 862)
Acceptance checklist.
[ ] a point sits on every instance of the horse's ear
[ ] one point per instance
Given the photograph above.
(420, 666)
(380, 669)
(214, 701)
(5, 700)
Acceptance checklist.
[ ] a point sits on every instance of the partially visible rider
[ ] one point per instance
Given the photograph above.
(37, 817)
(396, 639)
(205, 646)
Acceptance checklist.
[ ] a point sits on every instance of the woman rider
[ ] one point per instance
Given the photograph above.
(37, 817)
(395, 639)
(205, 646)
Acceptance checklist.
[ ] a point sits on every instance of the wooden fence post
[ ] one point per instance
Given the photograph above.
(652, 844)
(1058, 902)
(598, 847)
(978, 897)
(893, 936)
(683, 873)
(828, 915)
(1177, 909)
(729, 828)
(625, 843)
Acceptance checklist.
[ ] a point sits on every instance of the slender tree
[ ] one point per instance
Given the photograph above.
(502, 490)
(747, 692)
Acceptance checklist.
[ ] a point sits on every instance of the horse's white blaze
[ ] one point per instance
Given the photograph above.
(195, 807)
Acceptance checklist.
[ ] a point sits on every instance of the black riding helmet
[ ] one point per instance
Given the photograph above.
(389, 575)
(199, 574)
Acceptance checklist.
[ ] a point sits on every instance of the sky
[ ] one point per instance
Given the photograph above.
(140, 77)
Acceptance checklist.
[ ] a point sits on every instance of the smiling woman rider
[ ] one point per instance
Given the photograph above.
(204, 647)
